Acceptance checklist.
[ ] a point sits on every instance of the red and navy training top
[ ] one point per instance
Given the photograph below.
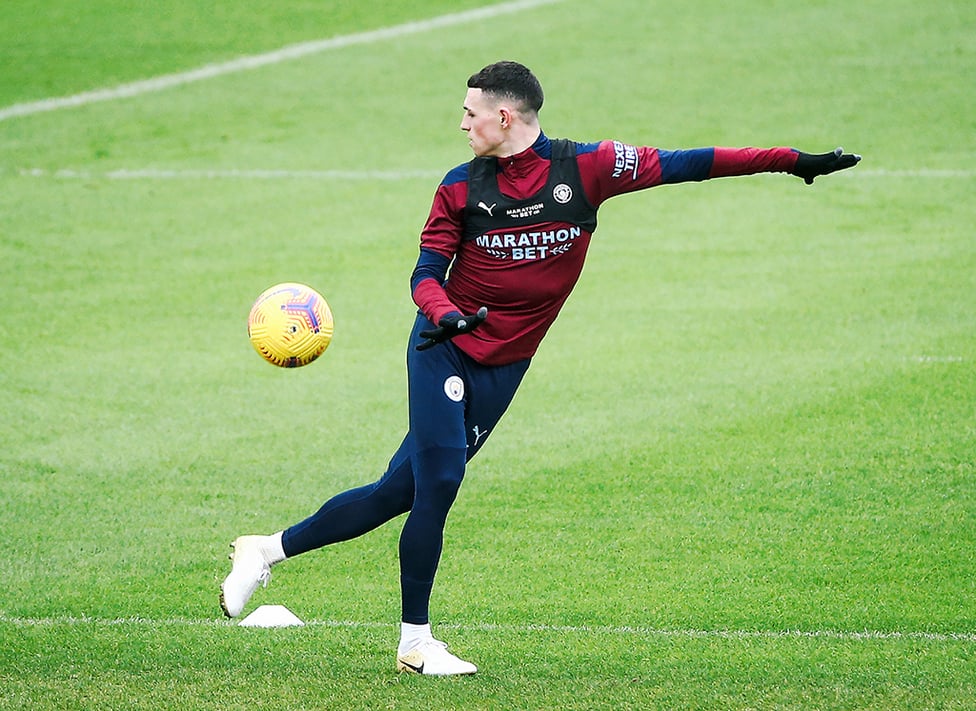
(523, 270)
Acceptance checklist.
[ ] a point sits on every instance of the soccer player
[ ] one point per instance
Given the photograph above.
(502, 248)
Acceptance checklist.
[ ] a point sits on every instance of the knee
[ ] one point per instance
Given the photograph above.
(438, 474)
(398, 496)
(396, 488)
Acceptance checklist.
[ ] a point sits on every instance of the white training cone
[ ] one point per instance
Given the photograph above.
(271, 616)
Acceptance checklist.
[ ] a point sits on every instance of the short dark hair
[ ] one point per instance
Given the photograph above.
(510, 80)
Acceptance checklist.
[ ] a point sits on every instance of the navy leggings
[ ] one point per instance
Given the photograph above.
(454, 404)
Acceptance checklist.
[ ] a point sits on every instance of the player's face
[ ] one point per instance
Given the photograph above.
(483, 123)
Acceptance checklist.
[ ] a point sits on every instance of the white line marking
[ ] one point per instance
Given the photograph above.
(938, 359)
(626, 630)
(915, 173)
(295, 51)
(231, 174)
(286, 174)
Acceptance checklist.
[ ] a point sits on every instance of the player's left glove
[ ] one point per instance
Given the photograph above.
(454, 324)
(810, 165)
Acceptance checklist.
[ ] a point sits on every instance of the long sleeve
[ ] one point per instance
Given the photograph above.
(439, 242)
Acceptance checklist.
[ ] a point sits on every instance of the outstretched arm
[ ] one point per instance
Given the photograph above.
(746, 161)
(612, 168)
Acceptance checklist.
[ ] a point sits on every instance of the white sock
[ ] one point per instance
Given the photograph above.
(272, 550)
(412, 635)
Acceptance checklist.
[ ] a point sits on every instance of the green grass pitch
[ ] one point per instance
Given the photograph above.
(739, 475)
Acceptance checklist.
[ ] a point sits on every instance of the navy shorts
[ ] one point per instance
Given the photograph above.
(455, 402)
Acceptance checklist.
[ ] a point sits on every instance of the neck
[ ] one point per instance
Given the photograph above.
(521, 137)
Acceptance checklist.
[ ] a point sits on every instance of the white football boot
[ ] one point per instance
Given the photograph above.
(431, 657)
(253, 557)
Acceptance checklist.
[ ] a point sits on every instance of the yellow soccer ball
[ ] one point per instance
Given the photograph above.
(290, 325)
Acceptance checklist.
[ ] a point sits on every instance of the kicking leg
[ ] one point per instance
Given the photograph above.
(344, 516)
(357, 511)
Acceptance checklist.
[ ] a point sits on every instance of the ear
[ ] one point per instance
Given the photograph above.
(505, 116)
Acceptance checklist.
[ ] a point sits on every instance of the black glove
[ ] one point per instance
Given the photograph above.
(809, 166)
(454, 324)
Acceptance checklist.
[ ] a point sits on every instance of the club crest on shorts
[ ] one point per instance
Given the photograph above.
(454, 388)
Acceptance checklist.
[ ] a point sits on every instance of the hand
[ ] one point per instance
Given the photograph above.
(809, 166)
(454, 324)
